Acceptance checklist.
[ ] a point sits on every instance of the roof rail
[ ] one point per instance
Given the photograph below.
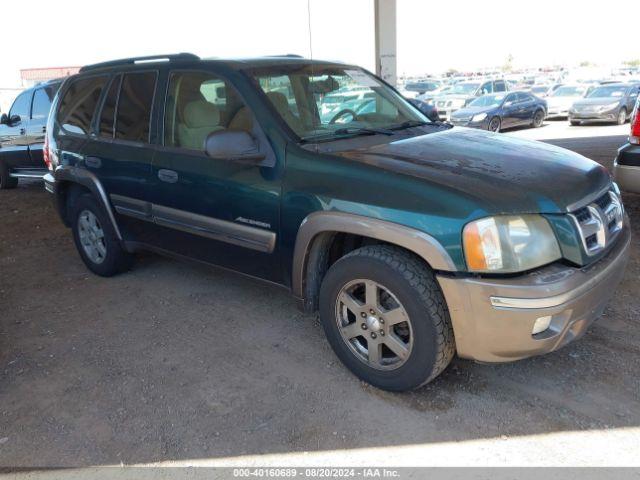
(289, 55)
(134, 60)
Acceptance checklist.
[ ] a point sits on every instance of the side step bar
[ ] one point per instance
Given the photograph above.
(28, 174)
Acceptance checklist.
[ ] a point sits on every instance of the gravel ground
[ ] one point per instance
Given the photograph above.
(175, 361)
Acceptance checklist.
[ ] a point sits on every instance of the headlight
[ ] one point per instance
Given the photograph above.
(509, 243)
(479, 117)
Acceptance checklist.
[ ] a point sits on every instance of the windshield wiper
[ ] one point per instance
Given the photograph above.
(408, 124)
(362, 131)
(346, 132)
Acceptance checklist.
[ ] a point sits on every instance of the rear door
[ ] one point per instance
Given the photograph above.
(119, 150)
(14, 148)
(526, 108)
(40, 106)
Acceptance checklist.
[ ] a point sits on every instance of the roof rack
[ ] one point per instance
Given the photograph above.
(289, 55)
(134, 60)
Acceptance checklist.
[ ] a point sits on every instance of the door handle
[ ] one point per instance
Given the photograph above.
(168, 176)
(22, 131)
(44, 129)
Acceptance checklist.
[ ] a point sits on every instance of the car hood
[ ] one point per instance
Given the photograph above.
(596, 101)
(470, 111)
(497, 173)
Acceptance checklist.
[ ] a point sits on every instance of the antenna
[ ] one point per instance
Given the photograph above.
(310, 38)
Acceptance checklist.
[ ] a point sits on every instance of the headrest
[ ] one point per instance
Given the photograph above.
(279, 100)
(201, 113)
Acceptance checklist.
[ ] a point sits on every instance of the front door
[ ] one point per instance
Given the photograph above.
(14, 149)
(219, 211)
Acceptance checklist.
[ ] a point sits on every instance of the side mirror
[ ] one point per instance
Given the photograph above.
(233, 145)
(4, 119)
(509, 103)
(14, 119)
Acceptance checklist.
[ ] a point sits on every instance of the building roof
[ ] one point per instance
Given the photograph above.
(41, 74)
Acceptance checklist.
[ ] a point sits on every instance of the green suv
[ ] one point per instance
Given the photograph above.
(413, 239)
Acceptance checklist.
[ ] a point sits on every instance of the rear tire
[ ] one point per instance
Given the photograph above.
(6, 182)
(407, 339)
(574, 123)
(622, 116)
(96, 239)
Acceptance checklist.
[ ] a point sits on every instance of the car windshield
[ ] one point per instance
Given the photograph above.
(464, 88)
(568, 92)
(608, 91)
(488, 100)
(319, 101)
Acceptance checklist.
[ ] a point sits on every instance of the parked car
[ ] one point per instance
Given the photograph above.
(560, 101)
(498, 111)
(413, 239)
(461, 94)
(626, 167)
(607, 103)
(430, 111)
(22, 134)
(335, 99)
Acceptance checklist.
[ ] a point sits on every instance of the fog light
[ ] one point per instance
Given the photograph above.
(541, 324)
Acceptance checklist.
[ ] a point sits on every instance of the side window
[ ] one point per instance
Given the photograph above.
(486, 88)
(500, 86)
(134, 106)
(197, 104)
(41, 105)
(511, 98)
(79, 104)
(107, 116)
(21, 106)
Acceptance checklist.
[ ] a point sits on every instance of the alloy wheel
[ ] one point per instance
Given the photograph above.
(374, 324)
(92, 236)
(494, 124)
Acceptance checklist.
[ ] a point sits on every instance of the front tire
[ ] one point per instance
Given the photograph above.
(538, 119)
(96, 239)
(575, 123)
(494, 124)
(6, 182)
(385, 317)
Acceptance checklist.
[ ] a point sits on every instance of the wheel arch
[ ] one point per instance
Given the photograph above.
(320, 232)
(71, 182)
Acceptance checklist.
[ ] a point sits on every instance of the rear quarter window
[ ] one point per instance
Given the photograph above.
(79, 103)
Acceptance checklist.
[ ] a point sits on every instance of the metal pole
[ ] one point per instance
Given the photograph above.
(385, 28)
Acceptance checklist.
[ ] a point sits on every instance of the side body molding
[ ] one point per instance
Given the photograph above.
(87, 179)
(316, 223)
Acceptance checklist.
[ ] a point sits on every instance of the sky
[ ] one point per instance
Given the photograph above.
(432, 35)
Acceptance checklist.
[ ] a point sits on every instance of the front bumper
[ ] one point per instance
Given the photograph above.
(493, 318)
(483, 124)
(626, 168)
(608, 116)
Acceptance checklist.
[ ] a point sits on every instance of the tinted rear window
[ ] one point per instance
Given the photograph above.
(134, 106)
(107, 116)
(79, 104)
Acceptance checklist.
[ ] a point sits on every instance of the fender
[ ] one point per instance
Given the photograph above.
(420, 243)
(87, 179)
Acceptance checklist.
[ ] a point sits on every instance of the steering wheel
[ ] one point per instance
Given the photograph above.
(343, 113)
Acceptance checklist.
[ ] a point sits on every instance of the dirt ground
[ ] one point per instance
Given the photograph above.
(175, 361)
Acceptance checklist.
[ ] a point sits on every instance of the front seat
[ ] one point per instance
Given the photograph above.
(200, 118)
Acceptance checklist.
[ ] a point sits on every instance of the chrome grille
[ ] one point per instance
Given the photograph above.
(599, 222)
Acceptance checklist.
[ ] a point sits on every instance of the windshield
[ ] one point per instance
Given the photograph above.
(464, 88)
(609, 91)
(488, 100)
(324, 100)
(569, 92)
